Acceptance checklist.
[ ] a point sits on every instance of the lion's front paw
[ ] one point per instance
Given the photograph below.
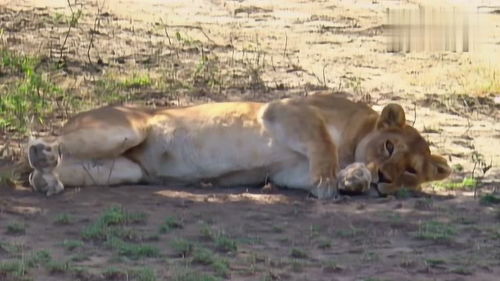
(354, 178)
(46, 183)
(325, 188)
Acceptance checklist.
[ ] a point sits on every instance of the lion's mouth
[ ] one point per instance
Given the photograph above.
(374, 186)
(382, 179)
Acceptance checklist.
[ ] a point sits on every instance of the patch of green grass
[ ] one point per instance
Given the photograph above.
(435, 231)
(481, 80)
(19, 267)
(79, 257)
(221, 267)
(71, 20)
(16, 228)
(110, 229)
(58, 18)
(71, 245)
(182, 247)
(170, 224)
(111, 223)
(14, 267)
(186, 40)
(29, 95)
(433, 262)
(143, 274)
(132, 250)
(457, 167)
(250, 240)
(99, 232)
(403, 193)
(207, 232)
(64, 219)
(58, 267)
(109, 91)
(117, 215)
(11, 248)
(136, 81)
(81, 273)
(13, 62)
(225, 244)
(467, 183)
(114, 273)
(203, 256)
(95, 231)
(222, 242)
(207, 257)
(490, 199)
(298, 253)
(42, 257)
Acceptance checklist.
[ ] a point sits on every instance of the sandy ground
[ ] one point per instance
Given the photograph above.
(280, 236)
(278, 49)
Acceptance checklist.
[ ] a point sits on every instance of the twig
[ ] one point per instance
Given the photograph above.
(93, 31)
(67, 32)
(166, 32)
(324, 76)
(194, 27)
(286, 44)
(414, 114)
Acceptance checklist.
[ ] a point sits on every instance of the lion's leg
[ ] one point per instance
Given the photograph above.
(98, 172)
(103, 133)
(53, 170)
(304, 131)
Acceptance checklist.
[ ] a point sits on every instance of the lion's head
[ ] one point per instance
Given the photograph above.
(398, 156)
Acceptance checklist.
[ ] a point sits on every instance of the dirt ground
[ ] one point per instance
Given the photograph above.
(256, 50)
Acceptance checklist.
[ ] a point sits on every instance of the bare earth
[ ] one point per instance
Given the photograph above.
(260, 50)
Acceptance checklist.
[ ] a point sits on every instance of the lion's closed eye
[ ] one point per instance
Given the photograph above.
(389, 148)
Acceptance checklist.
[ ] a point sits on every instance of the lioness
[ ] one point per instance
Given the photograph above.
(297, 143)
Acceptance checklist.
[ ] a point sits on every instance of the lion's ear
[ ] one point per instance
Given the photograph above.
(393, 115)
(439, 168)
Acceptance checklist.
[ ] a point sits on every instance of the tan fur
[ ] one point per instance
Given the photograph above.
(299, 143)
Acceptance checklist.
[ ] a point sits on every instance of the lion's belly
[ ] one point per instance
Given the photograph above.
(197, 153)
